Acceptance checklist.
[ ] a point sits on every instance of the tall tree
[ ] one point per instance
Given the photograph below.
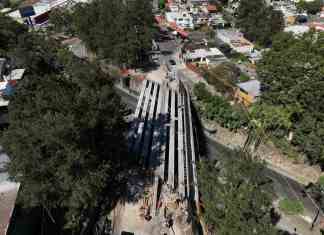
(292, 77)
(260, 24)
(120, 31)
(311, 7)
(236, 196)
(66, 141)
(10, 31)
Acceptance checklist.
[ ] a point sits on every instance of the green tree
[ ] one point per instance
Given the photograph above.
(260, 24)
(236, 196)
(216, 108)
(266, 120)
(120, 31)
(36, 53)
(292, 77)
(61, 20)
(311, 7)
(66, 141)
(10, 31)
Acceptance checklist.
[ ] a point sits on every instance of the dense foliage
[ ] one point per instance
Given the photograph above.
(120, 31)
(9, 32)
(66, 134)
(311, 7)
(216, 108)
(292, 78)
(236, 196)
(223, 77)
(260, 24)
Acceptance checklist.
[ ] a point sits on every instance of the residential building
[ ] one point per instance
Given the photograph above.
(248, 92)
(182, 19)
(204, 56)
(235, 40)
(41, 10)
(8, 81)
(217, 21)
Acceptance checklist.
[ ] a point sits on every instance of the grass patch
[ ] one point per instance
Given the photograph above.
(244, 78)
(320, 181)
(291, 207)
(238, 57)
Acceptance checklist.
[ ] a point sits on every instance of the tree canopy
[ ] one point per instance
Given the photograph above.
(65, 139)
(292, 78)
(120, 31)
(235, 195)
(10, 31)
(217, 108)
(260, 24)
(311, 7)
(66, 132)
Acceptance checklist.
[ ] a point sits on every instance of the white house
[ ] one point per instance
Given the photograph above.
(204, 56)
(182, 19)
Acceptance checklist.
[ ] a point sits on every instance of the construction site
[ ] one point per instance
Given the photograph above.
(164, 199)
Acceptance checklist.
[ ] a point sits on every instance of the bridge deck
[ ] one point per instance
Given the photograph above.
(163, 137)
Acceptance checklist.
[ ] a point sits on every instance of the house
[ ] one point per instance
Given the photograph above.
(235, 40)
(8, 81)
(39, 11)
(204, 56)
(247, 92)
(288, 10)
(217, 21)
(182, 19)
(200, 19)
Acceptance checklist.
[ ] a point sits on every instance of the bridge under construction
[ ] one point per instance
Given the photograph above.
(162, 140)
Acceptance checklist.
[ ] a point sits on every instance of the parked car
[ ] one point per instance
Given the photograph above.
(171, 66)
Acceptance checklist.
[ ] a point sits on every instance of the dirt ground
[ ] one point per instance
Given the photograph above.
(300, 172)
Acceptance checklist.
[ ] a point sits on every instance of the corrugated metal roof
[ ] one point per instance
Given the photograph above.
(252, 87)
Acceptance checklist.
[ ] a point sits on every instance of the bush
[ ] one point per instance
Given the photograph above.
(244, 78)
(238, 57)
(320, 181)
(312, 7)
(291, 207)
(223, 77)
(216, 108)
